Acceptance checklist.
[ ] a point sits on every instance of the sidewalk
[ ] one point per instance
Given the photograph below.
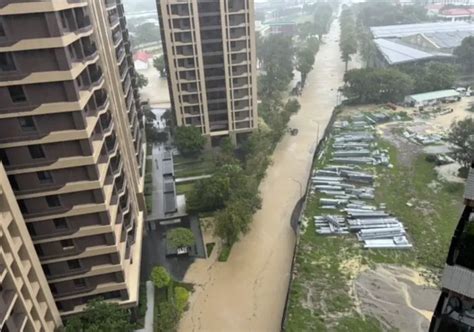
(150, 304)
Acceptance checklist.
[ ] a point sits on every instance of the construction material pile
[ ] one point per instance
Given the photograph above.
(347, 188)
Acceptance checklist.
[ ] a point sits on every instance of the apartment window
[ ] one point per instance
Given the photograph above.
(27, 123)
(80, 283)
(4, 157)
(2, 29)
(36, 151)
(53, 201)
(17, 94)
(46, 270)
(13, 183)
(60, 223)
(44, 177)
(53, 288)
(22, 205)
(39, 250)
(6, 62)
(74, 264)
(67, 244)
(31, 229)
(64, 20)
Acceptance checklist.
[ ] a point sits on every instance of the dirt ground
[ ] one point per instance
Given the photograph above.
(398, 297)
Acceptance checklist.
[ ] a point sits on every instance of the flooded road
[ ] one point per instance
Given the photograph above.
(247, 293)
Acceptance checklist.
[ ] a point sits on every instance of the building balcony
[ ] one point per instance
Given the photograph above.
(86, 272)
(13, 7)
(110, 4)
(7, 302)
(83, 253)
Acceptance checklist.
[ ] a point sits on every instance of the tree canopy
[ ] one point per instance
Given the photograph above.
(189, 140)
(100, 316)
(232, 221)
(348, 40)
(142, 81)
(465, 54)
(431, 76)
(378, 85)
(180, 237)
(159, 64)
(160, 277)
(461, 136)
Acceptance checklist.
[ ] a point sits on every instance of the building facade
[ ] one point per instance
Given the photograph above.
(455, 309)
(26, 303)
(72, 144)
(209, 48)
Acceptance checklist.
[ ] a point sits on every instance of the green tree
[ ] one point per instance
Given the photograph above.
(159, 64)
(141, 81)
(465, 54)
(304, 63)
(461, 136)
(181, 297)
(431, 76)
(313, 44)
(347, 41)
(168, 317)
(209, 194)
(292, 106)
(232, 221)
(379, 85)
(160, 277)
(100, 316)
(180, 237)
(154, 135)
(189, 140)
(277, 58)
(322, 18)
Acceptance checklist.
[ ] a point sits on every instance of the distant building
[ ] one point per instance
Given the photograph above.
(456, 14)
(433, 97)
(410, 43)
(455, 309)
(141, 60)
(210, 54)
(287, 28)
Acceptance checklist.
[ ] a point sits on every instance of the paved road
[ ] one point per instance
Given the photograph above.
(248, 292)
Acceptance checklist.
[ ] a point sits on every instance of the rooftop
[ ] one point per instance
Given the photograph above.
(401, 30)
(395, 52)
(420, 97)
(449, 39)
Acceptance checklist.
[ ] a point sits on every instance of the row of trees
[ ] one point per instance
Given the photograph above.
(380, 85)
(348, 39)
(172, 302)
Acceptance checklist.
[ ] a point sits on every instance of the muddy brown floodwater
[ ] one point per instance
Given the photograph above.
(247, 293)
(397, 296)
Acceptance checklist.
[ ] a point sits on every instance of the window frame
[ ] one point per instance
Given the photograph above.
(17, 101)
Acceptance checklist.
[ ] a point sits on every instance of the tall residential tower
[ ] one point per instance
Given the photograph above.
(72, 144)
(209, 48)
(455, 309)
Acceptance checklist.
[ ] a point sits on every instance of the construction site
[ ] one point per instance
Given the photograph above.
(383, 203)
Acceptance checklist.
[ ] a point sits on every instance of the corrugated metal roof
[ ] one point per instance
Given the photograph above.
(401, 30)
(449, 39)
(469, 193)
(395, 53)
(459, 280)
(421, 97)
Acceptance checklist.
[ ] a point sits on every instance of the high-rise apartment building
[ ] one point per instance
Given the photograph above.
(209, 48)
(72, 143)
(455, 309)
(26, 303)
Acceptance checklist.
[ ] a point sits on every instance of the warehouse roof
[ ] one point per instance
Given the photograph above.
(395, 52)
(401, 30)
(448, 39)
(433, 95)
